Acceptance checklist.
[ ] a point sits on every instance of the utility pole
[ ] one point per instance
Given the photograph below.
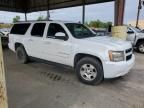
(138, 14)
(83, 12)
(25, 16)
(48, 8)
(48, 15)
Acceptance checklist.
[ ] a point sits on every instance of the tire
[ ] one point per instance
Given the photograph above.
(140, 47)
(95, 68)
(21, 55)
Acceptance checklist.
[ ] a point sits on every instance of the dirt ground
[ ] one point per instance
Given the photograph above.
(38, 85)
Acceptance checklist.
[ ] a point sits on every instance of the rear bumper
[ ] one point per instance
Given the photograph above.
(113, 70)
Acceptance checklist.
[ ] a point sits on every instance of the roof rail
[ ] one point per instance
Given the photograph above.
(33, 21)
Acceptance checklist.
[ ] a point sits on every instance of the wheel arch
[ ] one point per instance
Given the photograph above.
(139, 40)
(17, 44)
(79, 56)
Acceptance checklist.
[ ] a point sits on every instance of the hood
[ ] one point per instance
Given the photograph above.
(110, 42)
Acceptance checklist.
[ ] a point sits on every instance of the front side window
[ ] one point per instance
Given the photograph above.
(79, 30)
(20, 29)
(38, 29)
(53, 29)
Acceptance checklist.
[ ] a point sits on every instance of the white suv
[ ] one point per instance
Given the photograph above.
(93, 57)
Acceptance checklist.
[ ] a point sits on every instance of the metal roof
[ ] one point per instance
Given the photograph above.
(26, 6)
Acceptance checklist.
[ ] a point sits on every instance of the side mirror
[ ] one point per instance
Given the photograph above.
(61, 35)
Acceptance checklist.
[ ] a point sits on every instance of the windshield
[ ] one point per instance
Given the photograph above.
(79, 30)
(136, 29)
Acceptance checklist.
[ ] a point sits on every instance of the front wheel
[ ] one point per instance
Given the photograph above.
(89, 71)
(140, 47)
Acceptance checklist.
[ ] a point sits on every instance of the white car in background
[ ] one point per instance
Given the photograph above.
(136, 37)
(142, 31)
(5, 31)
(92, 57)
(4, 34)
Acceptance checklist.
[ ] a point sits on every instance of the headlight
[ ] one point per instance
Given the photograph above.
(116, 56)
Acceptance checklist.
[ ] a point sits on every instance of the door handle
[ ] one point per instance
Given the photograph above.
(30, 40)
(47, 42)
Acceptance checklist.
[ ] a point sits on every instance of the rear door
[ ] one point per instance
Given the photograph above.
(34, 41)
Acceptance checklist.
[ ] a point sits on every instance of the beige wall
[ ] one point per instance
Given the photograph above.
(3, 94)
(140, 25)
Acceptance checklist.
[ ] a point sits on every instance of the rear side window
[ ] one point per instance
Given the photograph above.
(38, 29)
(20, 29)
(55, 28)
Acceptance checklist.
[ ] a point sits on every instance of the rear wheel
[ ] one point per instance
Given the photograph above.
(140, 47)
(89, 71)
(21, 55)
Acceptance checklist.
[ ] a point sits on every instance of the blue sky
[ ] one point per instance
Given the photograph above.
(104, 12)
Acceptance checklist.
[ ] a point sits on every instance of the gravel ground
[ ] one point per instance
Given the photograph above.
(38, 85)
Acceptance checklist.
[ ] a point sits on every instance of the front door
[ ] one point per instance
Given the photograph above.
(56, 49)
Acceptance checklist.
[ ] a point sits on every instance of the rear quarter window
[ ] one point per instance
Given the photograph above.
(20, 29)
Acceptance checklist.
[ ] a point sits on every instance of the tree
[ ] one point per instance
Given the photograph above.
(40, 18)
(98, 24)
(86, 23)
(16, 19)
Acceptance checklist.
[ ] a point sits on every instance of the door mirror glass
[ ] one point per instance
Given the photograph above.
(60, 35)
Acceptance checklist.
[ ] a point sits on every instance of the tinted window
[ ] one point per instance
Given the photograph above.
(38, 29)
(55, 28)
(20, 29)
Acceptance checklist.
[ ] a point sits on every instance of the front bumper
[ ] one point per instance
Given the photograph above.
(117, 69)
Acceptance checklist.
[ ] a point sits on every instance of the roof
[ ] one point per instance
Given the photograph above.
(26, 6)
(45, 21)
